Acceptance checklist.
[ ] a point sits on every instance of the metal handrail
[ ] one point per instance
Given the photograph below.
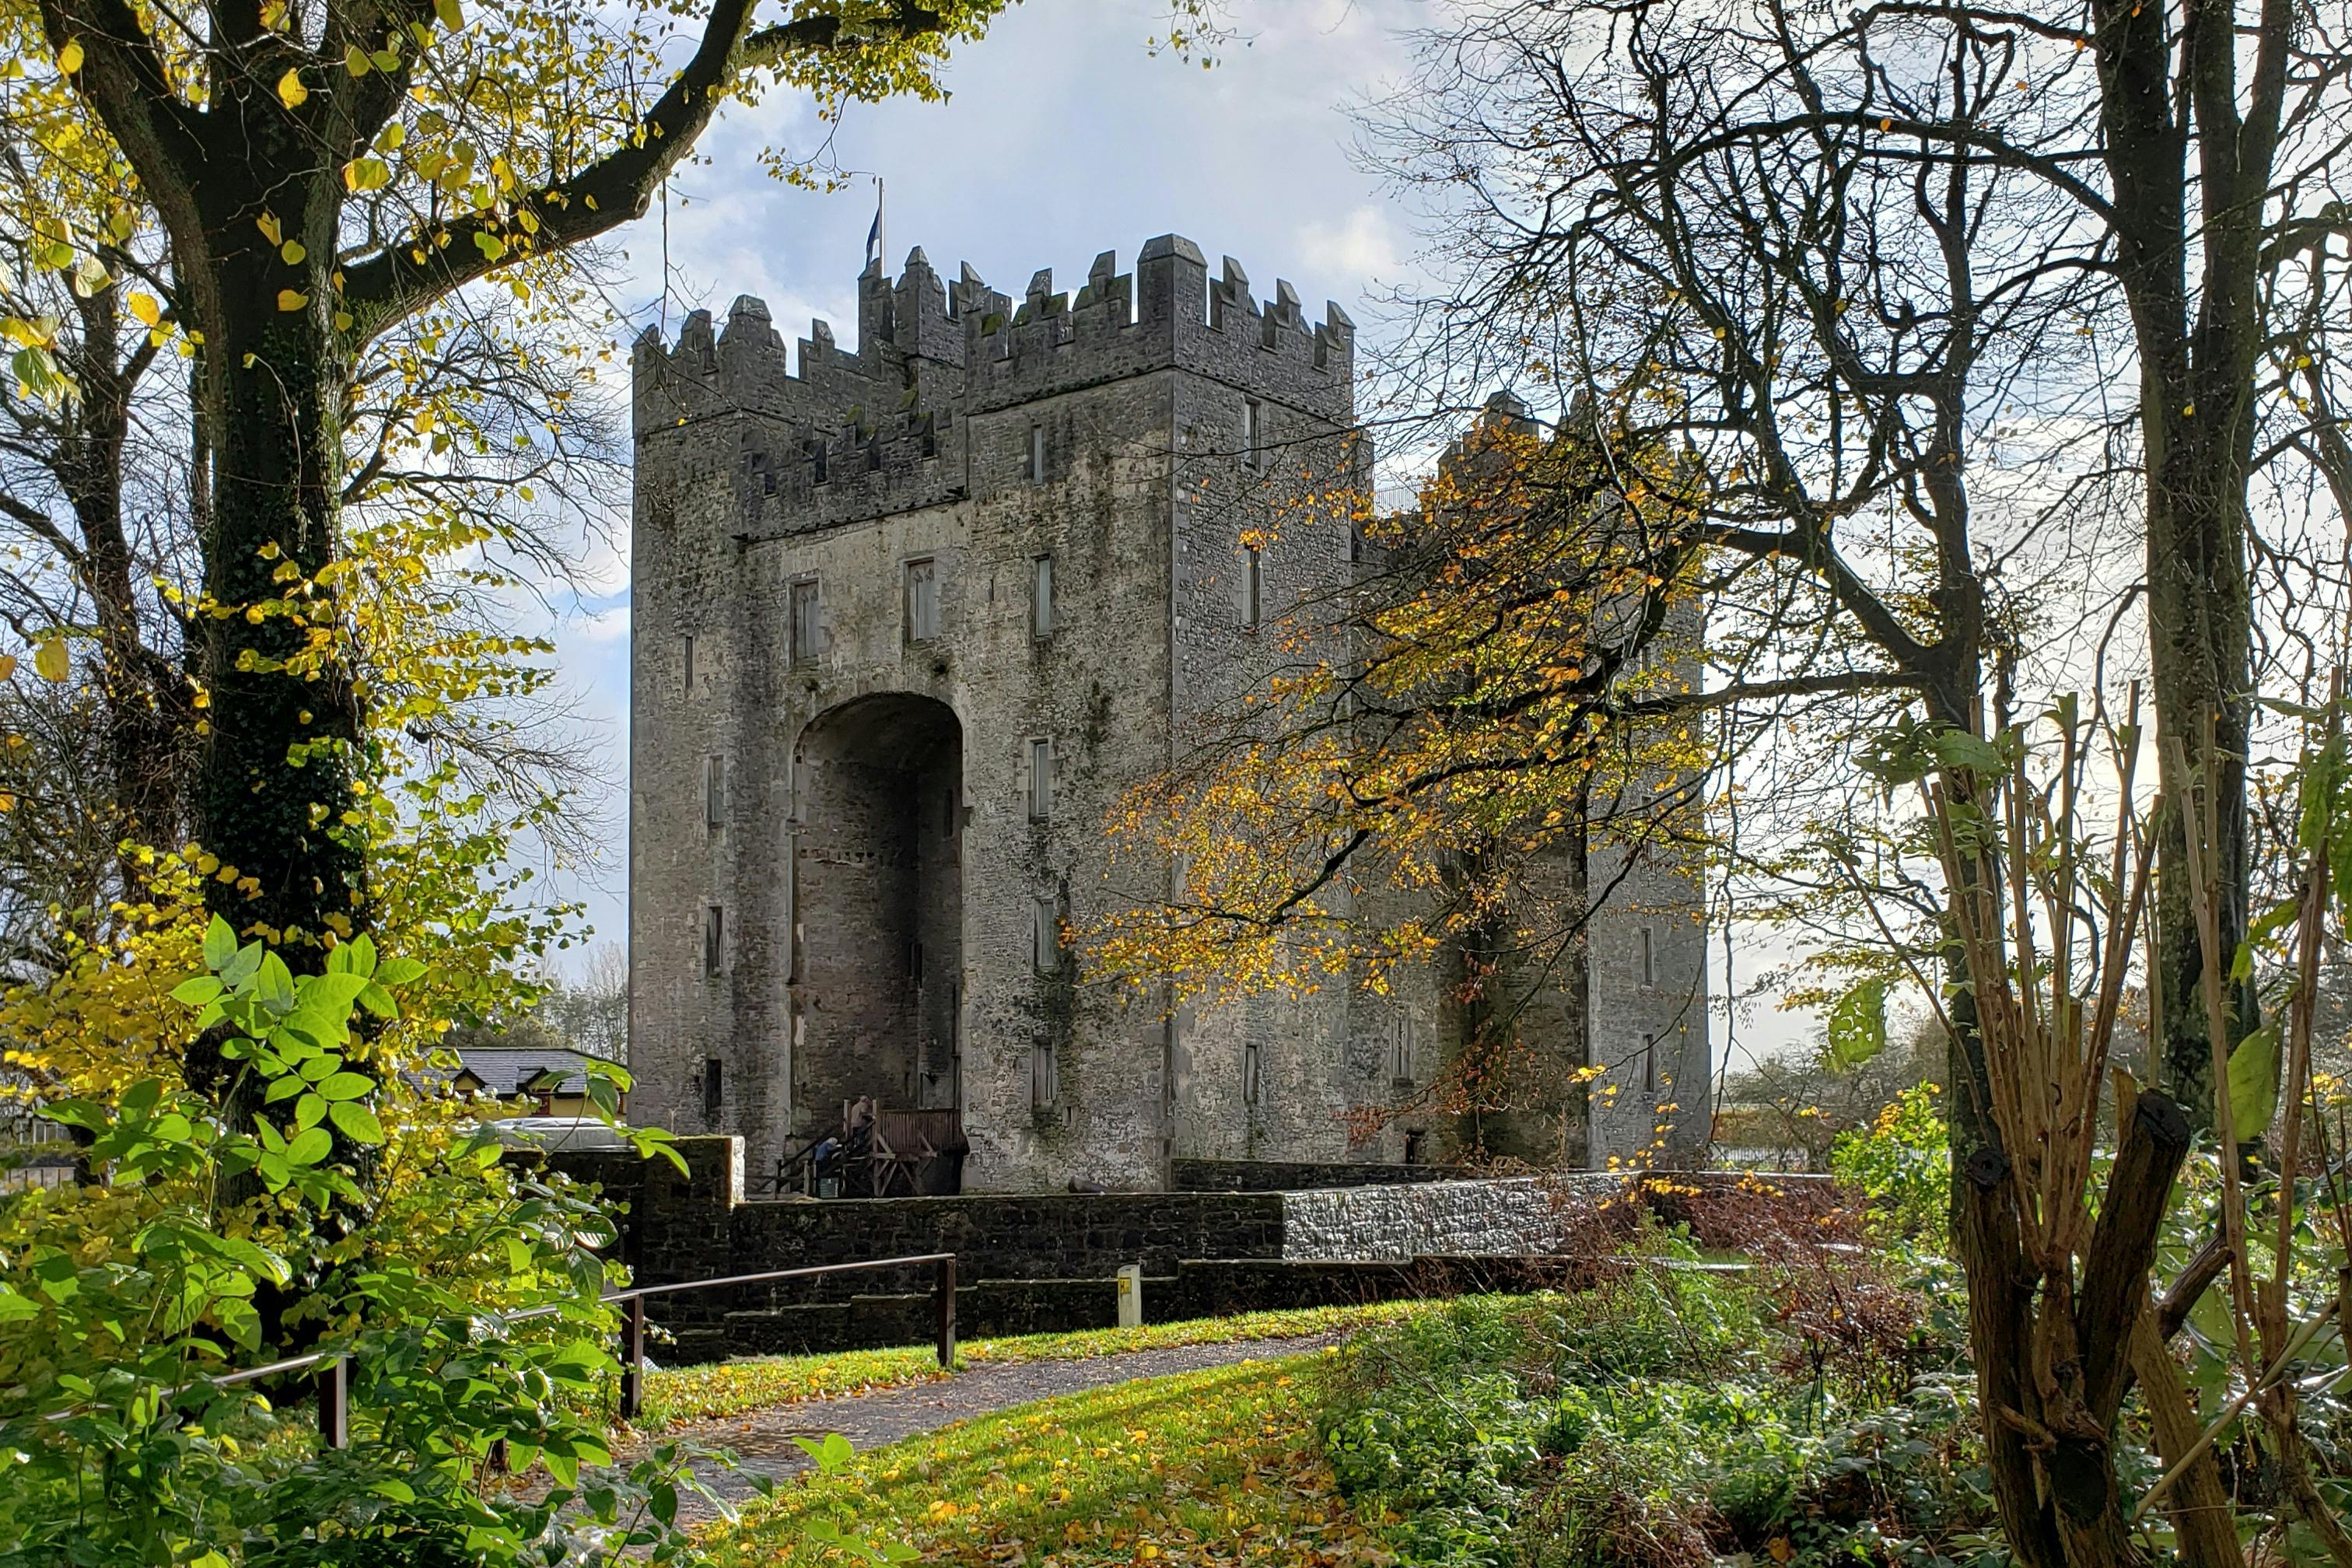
(334, 1366)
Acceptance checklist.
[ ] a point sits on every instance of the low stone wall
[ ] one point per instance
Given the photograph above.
(1047, 1261)
(1295, 1175)
(1511, 1218)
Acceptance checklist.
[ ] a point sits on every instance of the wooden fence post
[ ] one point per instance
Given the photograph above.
(633, 1360)
(334, 1385)
(943, 1288)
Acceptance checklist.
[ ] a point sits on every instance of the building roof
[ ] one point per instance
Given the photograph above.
(509, 1070)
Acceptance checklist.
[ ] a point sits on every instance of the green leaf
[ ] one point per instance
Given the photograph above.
(220, 944)
(398, 971)
(348, 1086)
(1857, 1027)
(308, 1111)
(355, 1121)
(375, 999)
(197, 990)
(274, 981)
(239, 1320)
(1959, 749)
(2255, 1083)
(451, 16)
(309, 1147)
(360, 952)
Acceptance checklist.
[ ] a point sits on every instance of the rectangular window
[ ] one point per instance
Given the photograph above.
(820, 462)
(1037, 454)
(922, 600)
(690, 665)
(1253, 433)
(930, 436)
(714, 1093)
(1041, 781)
(1041, 597)
(1251, 1073)
(1403, 1050)
(1649, 1063)
(714, 939)
(714, 793)
(1250, 593)
(1044, 1075)
(803, 631)
(1649, 957)
(1044, 936)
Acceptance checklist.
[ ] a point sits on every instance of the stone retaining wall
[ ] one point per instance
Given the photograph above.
(1513, 1218)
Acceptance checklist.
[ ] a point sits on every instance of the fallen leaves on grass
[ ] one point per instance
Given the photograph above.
(675, 1395)
(1218, 1467)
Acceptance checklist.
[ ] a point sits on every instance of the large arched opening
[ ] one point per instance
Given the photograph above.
(877, 910)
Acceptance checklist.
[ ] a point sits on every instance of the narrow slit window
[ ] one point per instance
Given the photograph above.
(689, 663)
(1042, 597)
(922, 600)
(714, 939)
(1044, 1075)
(714, 1092)
(820, 463)
(1044, 936)
(1649, 957)
(1041, 781)
(1037, 454)
(1252, 1073)
(804, 624)
(1253, 433)
(1649, 1063)
(714, 793)
(1252, 590)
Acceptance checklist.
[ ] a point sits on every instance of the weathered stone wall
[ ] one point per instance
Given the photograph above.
(1452, 1219)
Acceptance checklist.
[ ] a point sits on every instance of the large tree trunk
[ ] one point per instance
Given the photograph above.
(275, 794)
(2201, 653)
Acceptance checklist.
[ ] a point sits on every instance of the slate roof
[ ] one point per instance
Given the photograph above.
(507, 1071)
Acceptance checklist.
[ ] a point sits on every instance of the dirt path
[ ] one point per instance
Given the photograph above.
(763, 1438)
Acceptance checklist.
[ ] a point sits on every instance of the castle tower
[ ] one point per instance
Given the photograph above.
(907, 620)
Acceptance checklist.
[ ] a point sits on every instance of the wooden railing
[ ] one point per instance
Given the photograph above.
(332, 1369)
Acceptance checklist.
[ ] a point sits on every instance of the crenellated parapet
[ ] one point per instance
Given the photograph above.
(836, 434)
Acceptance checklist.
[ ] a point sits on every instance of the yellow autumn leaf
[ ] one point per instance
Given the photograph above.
(355, 59)
(293, 252)
(8, 666)
(69, 57)
(49, 659)
(291, 299)
(290, 90)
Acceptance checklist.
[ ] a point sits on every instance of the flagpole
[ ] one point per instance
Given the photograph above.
(881, 229)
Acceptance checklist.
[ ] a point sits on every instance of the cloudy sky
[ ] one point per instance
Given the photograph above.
(1061, 137)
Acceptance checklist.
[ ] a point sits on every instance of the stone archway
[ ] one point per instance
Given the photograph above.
(878, 907)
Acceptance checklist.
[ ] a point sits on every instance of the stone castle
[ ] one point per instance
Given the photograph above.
(906, 625)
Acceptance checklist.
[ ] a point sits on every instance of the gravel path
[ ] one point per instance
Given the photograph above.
(763, 1438)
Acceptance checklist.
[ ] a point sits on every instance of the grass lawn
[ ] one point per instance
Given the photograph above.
(1218, 1466)
(730, 1388)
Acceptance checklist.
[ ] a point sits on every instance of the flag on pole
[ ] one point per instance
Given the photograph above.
(873, 235)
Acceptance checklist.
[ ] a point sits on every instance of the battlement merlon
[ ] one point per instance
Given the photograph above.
(981, 350)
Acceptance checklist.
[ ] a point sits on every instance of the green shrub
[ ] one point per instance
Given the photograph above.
(1902, 1163)
(1658, 1421)
(305, 1205)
